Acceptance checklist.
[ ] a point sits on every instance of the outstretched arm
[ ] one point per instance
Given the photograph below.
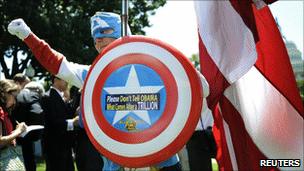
(49, 58)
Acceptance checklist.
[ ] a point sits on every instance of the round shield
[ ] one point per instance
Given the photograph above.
(141, 101)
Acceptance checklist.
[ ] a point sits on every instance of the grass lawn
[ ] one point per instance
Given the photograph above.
(41, 165)
(214, 165)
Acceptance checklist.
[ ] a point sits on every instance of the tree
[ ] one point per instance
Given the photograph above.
(195, 61)
(64, 24)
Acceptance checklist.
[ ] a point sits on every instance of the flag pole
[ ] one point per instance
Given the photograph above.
(124, 18)
(259, 3)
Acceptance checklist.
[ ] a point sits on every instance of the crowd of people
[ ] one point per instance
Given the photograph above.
(24, 102)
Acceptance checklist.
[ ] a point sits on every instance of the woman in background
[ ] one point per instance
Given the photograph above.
(8, 92)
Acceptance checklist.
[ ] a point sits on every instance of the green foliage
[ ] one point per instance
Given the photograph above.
(195, 61)
(41, 165)
(300, 84)
(64, 24)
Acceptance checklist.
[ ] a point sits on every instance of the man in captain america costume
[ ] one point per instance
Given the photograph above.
(105, 28)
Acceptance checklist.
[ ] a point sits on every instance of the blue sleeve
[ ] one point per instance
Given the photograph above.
(83, 76)
(170, 162)
(108, 165)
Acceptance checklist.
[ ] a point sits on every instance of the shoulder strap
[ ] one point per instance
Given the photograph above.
(202, 124)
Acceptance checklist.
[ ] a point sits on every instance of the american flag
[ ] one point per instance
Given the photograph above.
(257, 109)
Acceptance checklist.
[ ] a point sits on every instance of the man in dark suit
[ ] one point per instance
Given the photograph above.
(87, 158)
(59, 126)
(28, 109)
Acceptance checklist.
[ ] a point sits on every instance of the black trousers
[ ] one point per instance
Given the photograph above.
(199, 152)
(59, 161)
(58, 154)
(87, 157)
(28, 155)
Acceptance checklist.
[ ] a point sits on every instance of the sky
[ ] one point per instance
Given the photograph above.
(175, 23)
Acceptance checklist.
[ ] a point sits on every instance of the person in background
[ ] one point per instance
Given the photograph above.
(8, 135)
(21, 79)
(28, 109)
(201, 146)
(58, 136)
(86, 156)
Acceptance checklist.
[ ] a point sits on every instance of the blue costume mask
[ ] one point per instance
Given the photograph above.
(103, 21)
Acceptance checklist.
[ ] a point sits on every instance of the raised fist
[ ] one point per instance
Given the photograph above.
(19, 28)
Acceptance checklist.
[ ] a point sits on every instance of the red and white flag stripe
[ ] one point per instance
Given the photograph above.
(256, 105)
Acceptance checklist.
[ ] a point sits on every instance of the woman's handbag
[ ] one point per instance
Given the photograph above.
(11, 159)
